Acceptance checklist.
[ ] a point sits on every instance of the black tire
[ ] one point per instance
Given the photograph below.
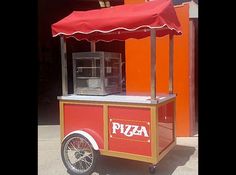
(78, 155)
(152, 169)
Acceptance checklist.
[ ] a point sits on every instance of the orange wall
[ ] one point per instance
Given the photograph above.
(138, 68)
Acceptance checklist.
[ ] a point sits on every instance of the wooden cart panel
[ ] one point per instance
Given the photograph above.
(129, 130)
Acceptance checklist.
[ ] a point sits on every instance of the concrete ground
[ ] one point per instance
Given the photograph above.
(182, 160)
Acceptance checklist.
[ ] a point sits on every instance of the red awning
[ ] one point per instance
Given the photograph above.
(120, 22)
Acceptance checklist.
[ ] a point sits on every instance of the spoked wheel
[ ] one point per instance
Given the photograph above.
(78, 155)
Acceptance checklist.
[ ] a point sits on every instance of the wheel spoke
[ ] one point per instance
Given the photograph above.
(72, 145)
(80, 165)
(83, 145)
(89, 155)
(78, 142)
(88, 164)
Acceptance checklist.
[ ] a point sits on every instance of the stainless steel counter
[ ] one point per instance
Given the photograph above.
(118, 98)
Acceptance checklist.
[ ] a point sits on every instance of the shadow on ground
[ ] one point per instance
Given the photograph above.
(116, 166)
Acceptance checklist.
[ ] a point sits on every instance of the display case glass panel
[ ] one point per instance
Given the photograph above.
(96, 73)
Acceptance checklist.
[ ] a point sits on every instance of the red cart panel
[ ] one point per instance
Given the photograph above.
(129, 130)
(85, 117)
(166, 125)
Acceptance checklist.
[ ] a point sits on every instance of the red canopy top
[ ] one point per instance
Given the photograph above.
(120, 22)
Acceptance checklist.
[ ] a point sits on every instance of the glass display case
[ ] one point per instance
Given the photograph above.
(97, 73)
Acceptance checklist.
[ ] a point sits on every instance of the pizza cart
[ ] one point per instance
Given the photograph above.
(99, 118)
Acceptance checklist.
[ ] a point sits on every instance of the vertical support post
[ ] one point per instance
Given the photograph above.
(93, 49)
(64, 66)
(153, 65)
(121, 77)
(171, 64)
(102, 72)
(93, 46)
(74, 76)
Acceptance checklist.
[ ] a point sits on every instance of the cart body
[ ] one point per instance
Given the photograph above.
(128, 127)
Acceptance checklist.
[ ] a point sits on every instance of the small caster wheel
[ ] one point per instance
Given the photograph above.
(152, 169)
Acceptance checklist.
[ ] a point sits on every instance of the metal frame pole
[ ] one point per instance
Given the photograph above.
(93, 49)
(171, 64)
(153, 65)
(64, 66)
(93, 46)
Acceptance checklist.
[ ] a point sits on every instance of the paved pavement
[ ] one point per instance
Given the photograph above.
(182, 160)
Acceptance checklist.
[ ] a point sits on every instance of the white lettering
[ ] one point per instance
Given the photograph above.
(122, 128)
(115, 126)
(129, 130)
(144, 131)
(135, 130)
